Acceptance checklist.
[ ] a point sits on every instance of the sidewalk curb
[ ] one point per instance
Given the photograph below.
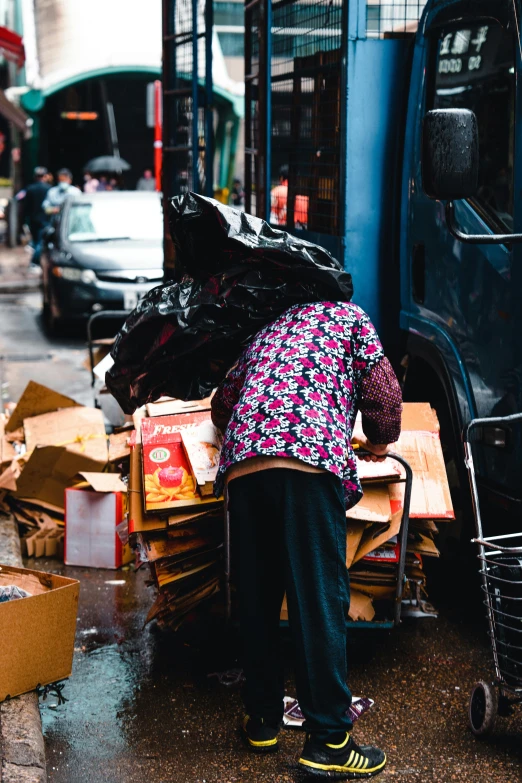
(22, 749)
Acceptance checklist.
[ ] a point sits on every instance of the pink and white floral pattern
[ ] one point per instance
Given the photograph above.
(295, 390)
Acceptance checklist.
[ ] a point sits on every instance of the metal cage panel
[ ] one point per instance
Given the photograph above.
(385, 17)
(306, 114)
(188, 122)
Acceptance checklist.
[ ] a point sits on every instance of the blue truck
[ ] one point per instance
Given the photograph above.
(388, 132)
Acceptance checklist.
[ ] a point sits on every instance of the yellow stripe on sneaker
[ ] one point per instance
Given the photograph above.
(337, 768)
(342, 745)
(264, 744)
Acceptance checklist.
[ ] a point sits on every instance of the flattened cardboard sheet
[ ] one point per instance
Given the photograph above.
(374, 505)
(80, 430)
(48, 473)
(361, 607)
(35, 400)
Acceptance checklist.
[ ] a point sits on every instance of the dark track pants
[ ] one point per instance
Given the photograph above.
(289, 535)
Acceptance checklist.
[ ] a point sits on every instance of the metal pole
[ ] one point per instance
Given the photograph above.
(209, 108)
(158, 131)
(195, 112)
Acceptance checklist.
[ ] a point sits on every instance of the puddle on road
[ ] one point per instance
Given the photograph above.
(132, 692)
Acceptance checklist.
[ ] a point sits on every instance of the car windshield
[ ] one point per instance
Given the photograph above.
(111, 219)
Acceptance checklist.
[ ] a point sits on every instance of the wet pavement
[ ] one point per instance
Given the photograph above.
(141, 707)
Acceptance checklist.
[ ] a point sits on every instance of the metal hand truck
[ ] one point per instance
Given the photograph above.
(403, 541)
(500, 559)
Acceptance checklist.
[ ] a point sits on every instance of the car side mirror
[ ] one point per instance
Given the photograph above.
(450, 154)
(450, 167)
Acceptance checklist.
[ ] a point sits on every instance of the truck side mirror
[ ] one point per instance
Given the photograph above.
(450, 154)
(450, 168)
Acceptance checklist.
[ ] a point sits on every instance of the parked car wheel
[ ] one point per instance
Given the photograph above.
(483, 709)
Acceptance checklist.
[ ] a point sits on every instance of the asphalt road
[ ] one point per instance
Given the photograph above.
(142, 707)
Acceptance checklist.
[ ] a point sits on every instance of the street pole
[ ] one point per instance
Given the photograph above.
(158, 134)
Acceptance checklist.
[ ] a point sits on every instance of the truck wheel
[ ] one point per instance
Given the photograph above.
(483, 709)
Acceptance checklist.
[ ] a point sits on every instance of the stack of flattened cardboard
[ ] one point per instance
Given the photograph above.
(374, 525)
(174, 521)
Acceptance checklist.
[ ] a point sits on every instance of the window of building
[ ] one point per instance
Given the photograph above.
(475, 69)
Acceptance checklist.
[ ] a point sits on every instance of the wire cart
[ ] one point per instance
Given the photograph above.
(500, 559)
(401, 579)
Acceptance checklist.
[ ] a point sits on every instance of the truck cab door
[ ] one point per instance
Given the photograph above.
(463, 301)
(459, 296)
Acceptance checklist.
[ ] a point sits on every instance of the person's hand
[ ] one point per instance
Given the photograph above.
(378, 452)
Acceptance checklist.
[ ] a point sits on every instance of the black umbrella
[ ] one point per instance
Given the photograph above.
(111, 164)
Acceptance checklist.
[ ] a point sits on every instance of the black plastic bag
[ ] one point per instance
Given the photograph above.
(182, 338)
(211, 238)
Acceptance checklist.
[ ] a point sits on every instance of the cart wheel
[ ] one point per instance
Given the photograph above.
(483, 708)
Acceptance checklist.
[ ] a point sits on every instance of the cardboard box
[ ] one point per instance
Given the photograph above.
(49, 472)
(167, 478)
(166, 406)
(202, 445)
(37, 633)
(35, 400)
(138, 522)
(93, 512)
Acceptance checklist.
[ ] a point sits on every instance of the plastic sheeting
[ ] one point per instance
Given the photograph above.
(239, 274)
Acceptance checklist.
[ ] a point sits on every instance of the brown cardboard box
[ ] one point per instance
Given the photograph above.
(138, 522)
(49, 471)
(95, 511)
(80, 430)
(35, 400)
(37, 633)
(167, 405)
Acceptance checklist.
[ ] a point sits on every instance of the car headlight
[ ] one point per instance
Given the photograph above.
(73, 274)
(88, 276)
(67, 272)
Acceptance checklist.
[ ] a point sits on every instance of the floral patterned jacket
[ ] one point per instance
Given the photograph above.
(296, 389)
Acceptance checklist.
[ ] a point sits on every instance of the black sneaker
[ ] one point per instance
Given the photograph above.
(346, 761)
(259, 736)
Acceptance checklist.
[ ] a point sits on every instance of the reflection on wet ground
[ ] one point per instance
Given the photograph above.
(141, 706)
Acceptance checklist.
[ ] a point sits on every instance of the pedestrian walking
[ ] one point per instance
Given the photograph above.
(146, 182)
(237, 194)
(91, 184)
(32, 199)
(279, 203)
(56, 195)
(287, 410)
